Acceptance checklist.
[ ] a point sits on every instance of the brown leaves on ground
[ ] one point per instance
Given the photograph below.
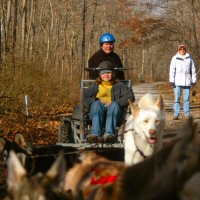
(41, 127)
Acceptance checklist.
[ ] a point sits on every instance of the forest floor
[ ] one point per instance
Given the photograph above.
(42, 127)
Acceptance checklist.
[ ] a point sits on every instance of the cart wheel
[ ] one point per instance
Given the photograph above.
(65, 131)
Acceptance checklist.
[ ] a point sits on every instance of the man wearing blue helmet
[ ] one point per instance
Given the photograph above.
(105, 53)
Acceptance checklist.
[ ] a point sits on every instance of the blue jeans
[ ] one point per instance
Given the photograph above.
(101, 115)
(186, 96)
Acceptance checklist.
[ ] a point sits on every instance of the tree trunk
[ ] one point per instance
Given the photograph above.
(30, 36)
(1, 46)
(8, 17)
(24, 28)
(15, 24)
(194, 29)
(83, 39)
(49, 36)
(91, 38)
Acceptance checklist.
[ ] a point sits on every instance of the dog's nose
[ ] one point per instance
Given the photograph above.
(152, 131)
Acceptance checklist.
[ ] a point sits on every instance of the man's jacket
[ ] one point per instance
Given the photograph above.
(101, 56)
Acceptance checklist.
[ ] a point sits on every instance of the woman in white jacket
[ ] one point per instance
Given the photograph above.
(182, 76)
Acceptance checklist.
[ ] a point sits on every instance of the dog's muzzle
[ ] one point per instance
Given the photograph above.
(152, 138)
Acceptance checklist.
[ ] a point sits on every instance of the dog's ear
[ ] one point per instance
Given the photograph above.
(160, 102)
(57, 171)
(16, 172)
(134, 109)
(19, 139)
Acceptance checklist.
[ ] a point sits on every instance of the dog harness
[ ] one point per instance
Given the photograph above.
(138, 150)
(103, 180)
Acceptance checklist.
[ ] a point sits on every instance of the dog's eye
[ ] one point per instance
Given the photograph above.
(146, 121)
(157, 121)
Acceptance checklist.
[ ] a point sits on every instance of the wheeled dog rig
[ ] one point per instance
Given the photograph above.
(74, 129)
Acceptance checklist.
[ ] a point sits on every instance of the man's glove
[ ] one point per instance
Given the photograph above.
(171, 84)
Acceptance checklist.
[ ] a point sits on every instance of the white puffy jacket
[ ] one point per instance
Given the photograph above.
(182, 70)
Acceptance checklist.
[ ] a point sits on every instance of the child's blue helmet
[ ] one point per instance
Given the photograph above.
(106, 37)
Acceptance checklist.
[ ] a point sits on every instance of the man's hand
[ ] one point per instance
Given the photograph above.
(171, 84)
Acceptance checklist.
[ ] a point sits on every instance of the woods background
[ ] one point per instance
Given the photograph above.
(44, 44)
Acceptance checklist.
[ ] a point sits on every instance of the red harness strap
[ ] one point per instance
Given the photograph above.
(103, 180)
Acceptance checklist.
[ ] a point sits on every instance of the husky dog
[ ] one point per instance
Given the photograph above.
(144, 128)
(167, 174)
(38, 187)
(19, 146)
(191, 188)
(75, 174)
(93, 172)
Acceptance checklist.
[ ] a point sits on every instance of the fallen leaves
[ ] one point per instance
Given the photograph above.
(41, 127)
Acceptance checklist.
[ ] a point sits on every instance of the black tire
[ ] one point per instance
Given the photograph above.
(65, 131)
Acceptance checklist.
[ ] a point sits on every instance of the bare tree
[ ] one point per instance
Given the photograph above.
(55, 38)
(23, 27)
(15, 8)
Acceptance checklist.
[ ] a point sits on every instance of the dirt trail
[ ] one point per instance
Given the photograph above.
(173, 127)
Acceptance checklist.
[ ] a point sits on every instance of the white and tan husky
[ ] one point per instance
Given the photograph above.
(144, 128)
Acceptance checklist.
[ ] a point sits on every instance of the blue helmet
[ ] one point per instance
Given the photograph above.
(106, 37)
